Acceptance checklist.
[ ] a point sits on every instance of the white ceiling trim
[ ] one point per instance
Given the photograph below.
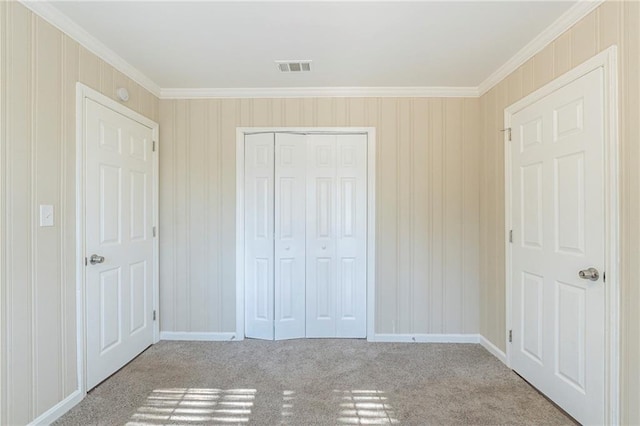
(320, 92)
(553, 31)
(59, 20)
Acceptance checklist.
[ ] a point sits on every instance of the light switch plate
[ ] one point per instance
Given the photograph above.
(46, 215)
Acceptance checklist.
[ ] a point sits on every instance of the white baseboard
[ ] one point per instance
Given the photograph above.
(55, 412)
(493, 350)
(197, 336)
(426, 338)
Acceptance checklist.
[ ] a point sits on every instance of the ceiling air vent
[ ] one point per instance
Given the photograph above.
(293, 66)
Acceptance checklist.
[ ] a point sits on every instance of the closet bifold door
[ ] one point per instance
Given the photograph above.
(290, 210)
(336, 235)
(258, 237)
(351, 235)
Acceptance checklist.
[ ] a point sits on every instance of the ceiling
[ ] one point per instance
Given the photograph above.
(352, 44)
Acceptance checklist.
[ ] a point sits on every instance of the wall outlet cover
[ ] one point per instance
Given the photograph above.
(46, 215)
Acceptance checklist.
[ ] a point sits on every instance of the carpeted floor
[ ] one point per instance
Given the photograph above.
(302, 382)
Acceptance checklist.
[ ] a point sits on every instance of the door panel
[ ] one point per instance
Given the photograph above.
(138, 297)
(347, 294)
(259, 250)
(559, 229)
(137, 220)
(324, 289)
(110, 200)
(287, 284)
(532, 223)
(570, 203)
(119, 208)
(110, 308)
(290, 194)
(533, 326)
(570, 349)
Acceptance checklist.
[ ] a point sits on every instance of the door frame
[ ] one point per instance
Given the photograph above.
(607, 60)
(371, 213)
(84, 92)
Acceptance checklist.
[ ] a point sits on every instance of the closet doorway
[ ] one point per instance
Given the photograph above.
(305, 233)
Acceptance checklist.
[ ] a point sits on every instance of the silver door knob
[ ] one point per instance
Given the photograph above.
(96, 259)
(324, 247)
(589, 274)
(287, 248)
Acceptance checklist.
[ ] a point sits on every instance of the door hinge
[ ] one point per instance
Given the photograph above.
(154, 231)
(153, 146)
(510, 336)
(508, 131)
(604, 277)
(511, 235)
(85, 261)
(154, 315)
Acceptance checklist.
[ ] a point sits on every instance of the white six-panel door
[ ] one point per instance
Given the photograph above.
(557, 181)
(119, 214)
(305, 235)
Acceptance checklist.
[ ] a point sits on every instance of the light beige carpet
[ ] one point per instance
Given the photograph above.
(309, 381)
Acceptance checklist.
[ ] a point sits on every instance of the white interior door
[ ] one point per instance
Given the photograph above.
(558, 222)
(290, 197)
(259, 231)
(336, 235)
(119, 221)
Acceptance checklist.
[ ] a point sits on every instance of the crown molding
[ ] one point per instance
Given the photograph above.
(59, 20)
(322, 92)
(567, 20)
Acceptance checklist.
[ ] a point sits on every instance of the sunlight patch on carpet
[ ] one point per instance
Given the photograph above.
(288, 397)
(195, 406)
(365, 407)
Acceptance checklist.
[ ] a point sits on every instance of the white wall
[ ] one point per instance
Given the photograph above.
(39, 69)
(428, 186)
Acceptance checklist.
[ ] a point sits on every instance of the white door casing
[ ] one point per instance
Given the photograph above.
(118, 219)
(258, 237)
(558, 220)
(290, 197)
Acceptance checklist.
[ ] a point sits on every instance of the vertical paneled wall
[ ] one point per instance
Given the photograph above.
(40, 67)
(613, 23)
(440, 202)
(428, 186)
